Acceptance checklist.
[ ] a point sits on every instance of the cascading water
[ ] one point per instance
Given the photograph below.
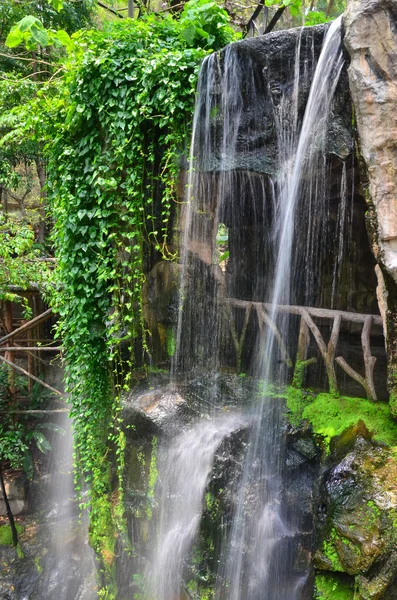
(184, 469)
(261, 537)
(257, 563)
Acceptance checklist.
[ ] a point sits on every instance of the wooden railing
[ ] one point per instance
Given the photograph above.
(308, 326)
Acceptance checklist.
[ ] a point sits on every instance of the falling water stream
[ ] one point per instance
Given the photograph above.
(259, 547)
(256, 559)
(184, 470)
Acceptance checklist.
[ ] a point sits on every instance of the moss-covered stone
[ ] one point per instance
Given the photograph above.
(333, 587)
(6, 534)
(330, 416)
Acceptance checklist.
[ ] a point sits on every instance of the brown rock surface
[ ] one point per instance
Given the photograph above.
(371, 39)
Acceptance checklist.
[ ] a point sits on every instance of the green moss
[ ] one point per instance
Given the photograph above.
(6, 534)
(153, 474)
(38, 565)
(297, 400)
(333, 587)
(102, 538)
(171, 342)
(330, 416)
(330, 552)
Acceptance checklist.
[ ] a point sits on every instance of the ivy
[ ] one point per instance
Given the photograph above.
(114, 161)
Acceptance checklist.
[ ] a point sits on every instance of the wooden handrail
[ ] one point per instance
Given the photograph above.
(324, 313)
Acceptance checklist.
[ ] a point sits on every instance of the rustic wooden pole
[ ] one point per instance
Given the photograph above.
(328, 353)
(264, 317)
(49, 387)
(10, 355)
(32, 323)
(239, 341)
(323, 313)
(30, 349)
(301, 361)
(369, 363)
(31, 360)
(369, 360)
(9, 511)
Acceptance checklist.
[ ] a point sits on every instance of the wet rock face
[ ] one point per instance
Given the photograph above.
(357, 521)
(266, 76)
(43, 574)
(371, 40)
(159, 410)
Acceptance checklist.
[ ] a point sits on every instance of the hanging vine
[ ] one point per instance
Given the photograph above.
(113, 166)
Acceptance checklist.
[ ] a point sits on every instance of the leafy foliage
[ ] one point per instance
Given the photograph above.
(30, 31)
(205, 24)
(19, 435)
(310, 12)
(20, 264)
(116, 156)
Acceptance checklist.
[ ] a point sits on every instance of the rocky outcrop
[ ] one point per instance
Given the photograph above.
(359, 510)
(371, 40)
(265, 75)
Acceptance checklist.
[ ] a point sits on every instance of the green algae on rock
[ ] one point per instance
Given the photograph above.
(333, 587)
(331, 415)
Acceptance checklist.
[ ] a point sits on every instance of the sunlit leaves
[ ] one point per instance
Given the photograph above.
(31, 32)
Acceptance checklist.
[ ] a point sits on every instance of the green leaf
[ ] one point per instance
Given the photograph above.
(56, 4)
(52, 427)
(27, 464)
(189, 33)
(40, 35)
(224, 256)
(63, 37)
(26, 23)
(42, 443)
(14, 38)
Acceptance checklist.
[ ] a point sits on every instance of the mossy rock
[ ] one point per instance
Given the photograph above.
(6, 534)
(359, 535)
(333, 587)
(330, 416)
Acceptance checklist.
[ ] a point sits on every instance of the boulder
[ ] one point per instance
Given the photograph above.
(358, 536)
(154, 411)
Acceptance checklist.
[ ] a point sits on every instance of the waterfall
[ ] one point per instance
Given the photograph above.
(261, 539)
(256, 553)
(184, 468)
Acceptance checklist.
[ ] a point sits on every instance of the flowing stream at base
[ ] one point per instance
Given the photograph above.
(259, 547)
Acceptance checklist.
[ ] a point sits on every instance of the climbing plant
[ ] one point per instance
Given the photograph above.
(115, 154)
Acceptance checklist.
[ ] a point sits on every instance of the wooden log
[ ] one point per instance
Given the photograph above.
(49, 387)
(239, 341)
(9, 511)
(369, 360)
(301, 361)
(10, 356)
(32, 348)
(34, 411)
(29, 325)
(352, 373)
(303, 341)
